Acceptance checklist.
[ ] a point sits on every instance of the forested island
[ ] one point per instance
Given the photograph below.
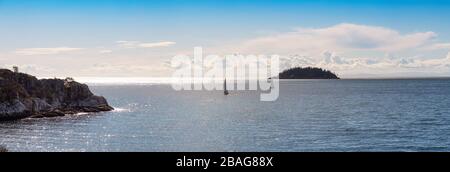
(307, 73)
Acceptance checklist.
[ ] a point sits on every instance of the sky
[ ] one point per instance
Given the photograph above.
(137, 38)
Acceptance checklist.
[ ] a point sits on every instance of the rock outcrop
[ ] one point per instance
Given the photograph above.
(23, 95)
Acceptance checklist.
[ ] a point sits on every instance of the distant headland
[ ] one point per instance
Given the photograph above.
(307, 73)
(23, 96)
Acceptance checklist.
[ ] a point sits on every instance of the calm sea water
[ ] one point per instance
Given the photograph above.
(310, 115)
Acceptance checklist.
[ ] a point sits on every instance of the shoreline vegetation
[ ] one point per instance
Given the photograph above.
(3, 149)
(307, 73)
(25, 96)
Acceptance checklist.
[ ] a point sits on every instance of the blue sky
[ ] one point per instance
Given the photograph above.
(97, 26)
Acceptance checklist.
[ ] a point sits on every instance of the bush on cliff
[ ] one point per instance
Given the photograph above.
(3, 149)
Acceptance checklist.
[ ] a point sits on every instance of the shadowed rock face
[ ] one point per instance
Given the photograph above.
(23, 95)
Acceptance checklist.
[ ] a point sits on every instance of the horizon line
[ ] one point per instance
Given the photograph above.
(169, 80)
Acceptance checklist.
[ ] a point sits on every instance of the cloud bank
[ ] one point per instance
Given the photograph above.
(334, 48)
(341, 37)
(45, 51)
(137, 44)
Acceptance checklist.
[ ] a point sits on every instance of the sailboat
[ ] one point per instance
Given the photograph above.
(225, 92)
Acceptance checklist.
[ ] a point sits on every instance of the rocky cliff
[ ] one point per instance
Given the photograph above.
(23, 95)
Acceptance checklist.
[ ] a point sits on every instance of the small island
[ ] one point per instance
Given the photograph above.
(24, 96)
(307, 73)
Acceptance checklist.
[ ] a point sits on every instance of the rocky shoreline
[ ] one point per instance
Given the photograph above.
(24, 96)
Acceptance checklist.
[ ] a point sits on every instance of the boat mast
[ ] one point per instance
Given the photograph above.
(225, 92)
(225, 87)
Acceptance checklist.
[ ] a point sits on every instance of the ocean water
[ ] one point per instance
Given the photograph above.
(310, 115)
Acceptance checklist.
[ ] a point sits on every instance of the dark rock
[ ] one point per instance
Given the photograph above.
(23, 95)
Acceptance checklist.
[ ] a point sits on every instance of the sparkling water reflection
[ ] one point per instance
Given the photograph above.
(310, 115)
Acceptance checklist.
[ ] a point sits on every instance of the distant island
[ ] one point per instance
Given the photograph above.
(24, 96)
(307, 73)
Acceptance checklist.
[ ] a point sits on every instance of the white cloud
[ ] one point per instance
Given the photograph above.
(348, 67)
(137, 44)
(126, 69)
(45, 51)
(157, 44)
(351, 50)
(341, 37)
(105, 51)
(438, 46)
(127, 44)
